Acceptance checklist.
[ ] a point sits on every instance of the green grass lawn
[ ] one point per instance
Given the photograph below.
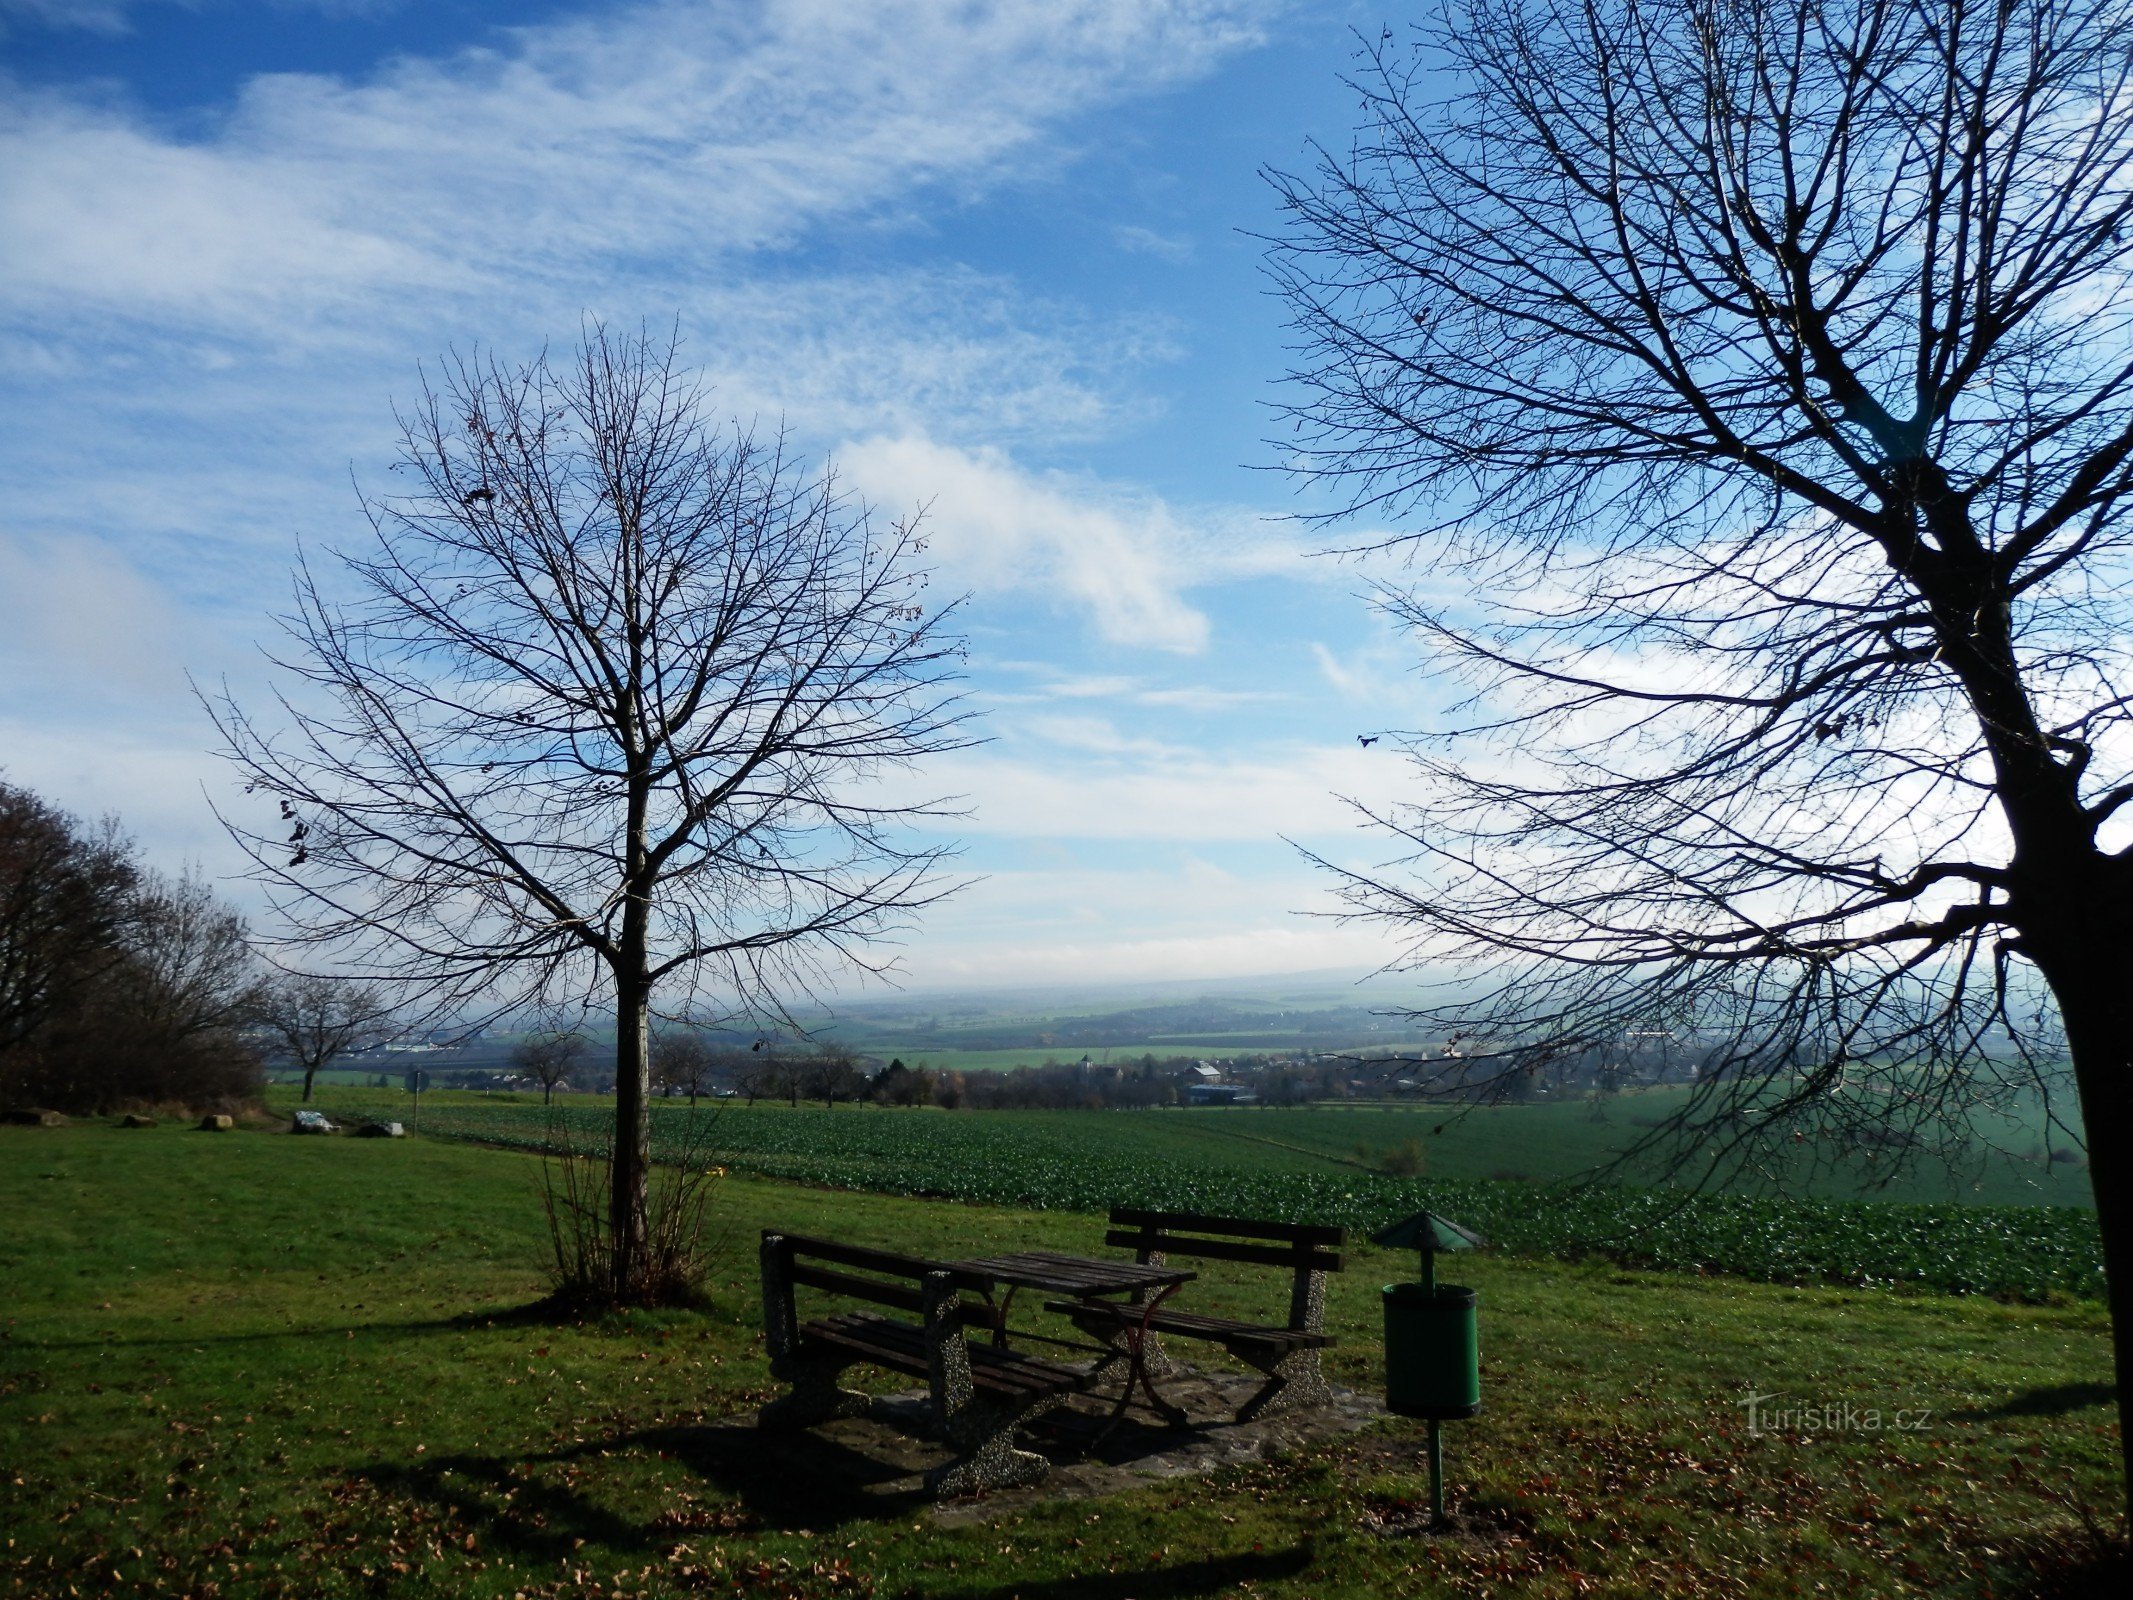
(250, 1364)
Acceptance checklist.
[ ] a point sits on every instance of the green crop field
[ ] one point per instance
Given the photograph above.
(2011, 1165)
(1261, 1164)
(247, 1365)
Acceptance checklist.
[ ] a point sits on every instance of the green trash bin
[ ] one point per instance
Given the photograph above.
(1432, 1351)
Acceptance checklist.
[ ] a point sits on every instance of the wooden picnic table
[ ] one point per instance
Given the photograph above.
(1091, 1279)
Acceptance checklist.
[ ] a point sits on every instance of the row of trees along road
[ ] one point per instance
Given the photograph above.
(118, 986)
(1763, 369)
(612, 707)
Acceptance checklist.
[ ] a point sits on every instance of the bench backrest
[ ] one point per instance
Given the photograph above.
(792, 1260)
(1309, 1250)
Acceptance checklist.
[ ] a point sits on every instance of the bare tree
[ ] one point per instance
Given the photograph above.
(549, 1059)
(117, 985)
(195, 974)
(759, 1071)
(828, 1073)
(166, 1021)
(316, 1020)
(682, 1061)
(1762, 367)
(614, 704)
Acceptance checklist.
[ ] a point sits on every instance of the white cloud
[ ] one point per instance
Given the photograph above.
(1124, 559)
(619, 139)
(1193, 697)
(199, 336)
(1176, 916)
(1000, 529)
(1136, 240)
(78, 618)
(1095, 735)
(1269, 947)
(1083, 787)
(90, 16)
(1055, 685)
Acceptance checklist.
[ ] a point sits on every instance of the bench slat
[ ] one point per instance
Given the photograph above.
(883, 1261)
(902, 1296)
(902, 1347)
(1244, 1227)
(1190, 1325)
(975, 1313)
(895, 1345)
(1301, 1257)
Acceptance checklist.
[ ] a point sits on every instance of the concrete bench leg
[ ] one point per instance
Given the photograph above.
(989, 1458)
(1294, 1382)
(816, 1396)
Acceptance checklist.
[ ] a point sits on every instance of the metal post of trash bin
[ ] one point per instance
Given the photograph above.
(417, 1081)
(1432, 1352)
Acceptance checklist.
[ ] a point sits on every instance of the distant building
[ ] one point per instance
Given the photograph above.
(1218, 1094)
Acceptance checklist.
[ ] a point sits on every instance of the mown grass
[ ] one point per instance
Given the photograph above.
(249, 1364)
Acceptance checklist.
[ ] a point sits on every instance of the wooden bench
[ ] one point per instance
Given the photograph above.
(980, 1395)
(1287, 1353)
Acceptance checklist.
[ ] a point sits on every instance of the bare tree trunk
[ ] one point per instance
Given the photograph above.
(309, 1074)
(2096, 1007)
(630, 1196)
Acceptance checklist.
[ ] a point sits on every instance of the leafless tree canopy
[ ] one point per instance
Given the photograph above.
(683, 1062)
(614, 703)
(1762, 369)
(604, 660)
(316, 1020)
(549, 1058)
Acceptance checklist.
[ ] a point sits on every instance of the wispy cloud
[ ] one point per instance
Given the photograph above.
(1125, 559)
(1002, 529)
(1098, 785)
(1136, 240)
(89, 16)
(630, 139)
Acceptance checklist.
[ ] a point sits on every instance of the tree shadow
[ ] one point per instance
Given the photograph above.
(2055, 1400)
(834, 1475)
(784, 1481)
(2101, 1568)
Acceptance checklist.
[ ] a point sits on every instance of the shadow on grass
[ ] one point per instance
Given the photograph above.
(527, 1502)
(2054, 1401)
(1215, 1575)
(2100, 1567)
(789, 1482)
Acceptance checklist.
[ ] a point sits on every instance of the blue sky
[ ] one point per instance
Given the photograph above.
(994, 257)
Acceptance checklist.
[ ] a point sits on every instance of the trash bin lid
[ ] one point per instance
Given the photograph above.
(1425, 1230)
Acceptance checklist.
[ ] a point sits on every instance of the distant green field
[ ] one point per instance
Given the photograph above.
(1541, 1142)
(1262, 1163)
(1563, 1140)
